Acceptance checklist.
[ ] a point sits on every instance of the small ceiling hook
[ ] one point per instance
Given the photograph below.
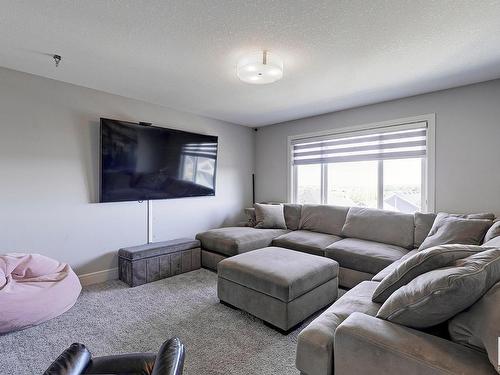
(57, 59)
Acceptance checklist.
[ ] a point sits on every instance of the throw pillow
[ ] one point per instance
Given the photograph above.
(251, 220)
(448, 229)
(269, 216)
(480, 216)
(391, 267)
(494, 242)
(493, 232)
(478, 327)
(421, 262)
(438, 295)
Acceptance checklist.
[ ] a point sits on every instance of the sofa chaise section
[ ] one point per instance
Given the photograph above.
(364, 342)
(218, 244)
(348, 338)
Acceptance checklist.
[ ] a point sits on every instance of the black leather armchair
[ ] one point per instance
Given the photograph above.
(77, 360)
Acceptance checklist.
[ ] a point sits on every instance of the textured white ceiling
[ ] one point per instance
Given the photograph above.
(183, 54)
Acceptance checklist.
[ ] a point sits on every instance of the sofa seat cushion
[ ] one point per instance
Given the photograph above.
(315, 342)
(306, 241)
(364, 256)
(281, 273)
(236, 240)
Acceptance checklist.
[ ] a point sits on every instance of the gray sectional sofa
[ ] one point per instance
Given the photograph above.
(363, 241)
(348, 338)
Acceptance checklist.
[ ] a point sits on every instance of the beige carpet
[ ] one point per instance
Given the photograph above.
(112, 318)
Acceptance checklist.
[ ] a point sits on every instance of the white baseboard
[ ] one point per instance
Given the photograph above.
(99, 276)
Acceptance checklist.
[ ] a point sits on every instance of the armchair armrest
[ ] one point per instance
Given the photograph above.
(367, 344)
(168, 361)
(137, 363)
(72, 361)
(170, 358)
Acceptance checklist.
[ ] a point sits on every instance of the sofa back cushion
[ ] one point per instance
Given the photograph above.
(436, 296)
(292, 215)
(449, 229)
(479, 326)
(423, 225)
(388, 227)
(323, 218)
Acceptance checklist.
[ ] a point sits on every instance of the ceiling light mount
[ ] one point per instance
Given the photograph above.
(260, 68)
(57, 59)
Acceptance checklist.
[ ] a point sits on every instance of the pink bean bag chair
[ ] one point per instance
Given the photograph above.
(34, 289)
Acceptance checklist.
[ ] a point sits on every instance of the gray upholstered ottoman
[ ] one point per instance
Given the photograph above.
(280, 286)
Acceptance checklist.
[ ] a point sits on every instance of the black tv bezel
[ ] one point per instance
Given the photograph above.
(149, 125)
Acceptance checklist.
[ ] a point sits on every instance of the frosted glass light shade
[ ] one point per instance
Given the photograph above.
(260, 68)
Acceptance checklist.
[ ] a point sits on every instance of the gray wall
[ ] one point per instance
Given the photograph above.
(49, 170)
(467, 144)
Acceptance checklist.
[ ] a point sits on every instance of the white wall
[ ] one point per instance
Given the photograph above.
(49, 169)
(467, 144)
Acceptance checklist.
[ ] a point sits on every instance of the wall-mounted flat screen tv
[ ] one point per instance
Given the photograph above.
(141, 162)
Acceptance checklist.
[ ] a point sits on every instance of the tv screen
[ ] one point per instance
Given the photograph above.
(140, 162)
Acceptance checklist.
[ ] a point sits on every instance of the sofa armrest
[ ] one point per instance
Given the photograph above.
(367, 344)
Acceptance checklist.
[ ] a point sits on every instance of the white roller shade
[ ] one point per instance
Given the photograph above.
(206, 150)
(380, 144)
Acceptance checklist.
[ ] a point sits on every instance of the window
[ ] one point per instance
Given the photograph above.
(381, 167)
(353, 184)
(402, 185)
(198, 169)
(198, 163)
(309, 183)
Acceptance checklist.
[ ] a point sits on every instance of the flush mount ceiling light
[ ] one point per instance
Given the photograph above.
(260, 68)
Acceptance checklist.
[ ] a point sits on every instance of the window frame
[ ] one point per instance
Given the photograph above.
(428, 203)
